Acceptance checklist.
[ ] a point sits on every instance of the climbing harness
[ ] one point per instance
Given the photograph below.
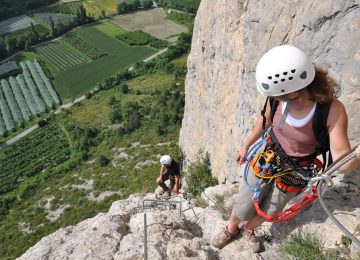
(306, 195)
(273, 165)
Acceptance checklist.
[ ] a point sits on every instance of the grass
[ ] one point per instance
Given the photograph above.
(220, 206)
(200, 202)
(151, 82)
(27, 55)
(307, 246)
(110, 29)
(79, 79)
(95, 111)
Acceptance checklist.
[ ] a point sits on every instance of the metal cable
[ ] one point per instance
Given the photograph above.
(330, 170)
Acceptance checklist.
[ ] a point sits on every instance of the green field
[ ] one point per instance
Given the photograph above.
(110, 29)
(84, 77)
(60, 56)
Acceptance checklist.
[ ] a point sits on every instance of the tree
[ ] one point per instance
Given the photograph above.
(103, 161)
(123, 8)
(135, 4)
(2, 48)
(20, 42)
(115, 115)
(103, 13)
(146, 3)
(111, 101)
(131, 115)
(124, 88)
(10, 43)
(52, 26)
(27, 46)
(81, 15)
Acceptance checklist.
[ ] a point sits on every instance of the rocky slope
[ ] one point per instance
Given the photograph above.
(229, 38)
(119, 233)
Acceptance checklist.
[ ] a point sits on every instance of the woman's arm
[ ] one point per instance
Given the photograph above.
(339, 141)
(255, 134)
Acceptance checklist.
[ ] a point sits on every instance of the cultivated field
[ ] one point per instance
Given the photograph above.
(57, 18)
(45, 147)
(20, 99)
(15, 23)
(60, 56)
(95, 7)
(83, 77)
(153, 22)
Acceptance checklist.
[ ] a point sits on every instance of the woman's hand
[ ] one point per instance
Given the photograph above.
(357, 152)
(241, 155)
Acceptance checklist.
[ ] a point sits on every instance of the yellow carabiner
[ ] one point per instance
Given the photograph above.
(268, 156)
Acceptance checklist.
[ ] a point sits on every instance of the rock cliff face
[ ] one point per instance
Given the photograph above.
(229, 38)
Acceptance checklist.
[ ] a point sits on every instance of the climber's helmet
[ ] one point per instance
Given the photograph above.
(282, 70)
(165, 160)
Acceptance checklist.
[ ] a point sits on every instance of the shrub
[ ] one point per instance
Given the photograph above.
(199, 176)
(89, 95)
(111, 101)
(124, 88)
(303, 246)
(103, 161)
(141, 38)
(115, 115)
(42, 123)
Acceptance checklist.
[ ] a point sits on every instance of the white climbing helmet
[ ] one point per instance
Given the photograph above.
(165, 159)
(282, 70)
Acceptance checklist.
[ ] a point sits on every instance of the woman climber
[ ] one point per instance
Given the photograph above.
(301, 97)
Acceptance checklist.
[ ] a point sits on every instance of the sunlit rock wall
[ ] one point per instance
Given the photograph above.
(229, 38)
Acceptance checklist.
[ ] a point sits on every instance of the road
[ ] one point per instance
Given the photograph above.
(21, 135)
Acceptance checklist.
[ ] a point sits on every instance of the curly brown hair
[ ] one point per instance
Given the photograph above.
(322, 88)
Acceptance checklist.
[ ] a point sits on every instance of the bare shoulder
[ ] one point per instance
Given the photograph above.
(337, 112)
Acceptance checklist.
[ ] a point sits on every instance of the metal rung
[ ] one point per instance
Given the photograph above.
(171, 202)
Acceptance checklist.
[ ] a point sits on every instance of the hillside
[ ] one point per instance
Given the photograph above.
(117, 135)
(80, 157)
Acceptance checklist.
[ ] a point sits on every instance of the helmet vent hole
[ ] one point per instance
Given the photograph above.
(285, 73)
(282, 80)
(283, 90)
(269, 77)
(303, 75)
(275, 82)
(293, 71)
(277, 75)
(290, 78)
(265, 86)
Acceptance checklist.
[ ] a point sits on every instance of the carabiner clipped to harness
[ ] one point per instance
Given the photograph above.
(267, 165)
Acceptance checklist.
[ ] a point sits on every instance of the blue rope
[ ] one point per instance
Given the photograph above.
(250, 154)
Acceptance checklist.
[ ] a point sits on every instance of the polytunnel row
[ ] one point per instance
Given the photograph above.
(25, 95)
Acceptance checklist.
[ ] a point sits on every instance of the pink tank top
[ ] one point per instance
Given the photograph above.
(296, 141)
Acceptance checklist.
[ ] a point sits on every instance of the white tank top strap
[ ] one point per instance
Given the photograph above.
(295, 122)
